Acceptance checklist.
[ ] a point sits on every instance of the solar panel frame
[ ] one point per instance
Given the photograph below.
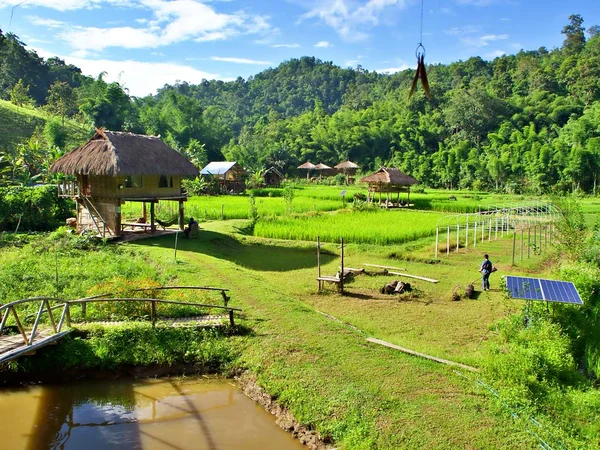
(543, 290)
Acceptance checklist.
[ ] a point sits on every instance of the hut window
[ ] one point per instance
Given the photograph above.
(134, 181)
(163, 182)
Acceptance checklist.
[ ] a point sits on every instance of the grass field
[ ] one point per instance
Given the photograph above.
(355, 393)
(18, 124)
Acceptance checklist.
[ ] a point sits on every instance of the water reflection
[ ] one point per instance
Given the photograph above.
(148, 414)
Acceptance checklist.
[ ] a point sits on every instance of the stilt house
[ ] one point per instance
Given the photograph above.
(113, 168)
(230, 175)
(389, 181)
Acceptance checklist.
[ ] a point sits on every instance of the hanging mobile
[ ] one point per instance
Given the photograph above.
(421, 73)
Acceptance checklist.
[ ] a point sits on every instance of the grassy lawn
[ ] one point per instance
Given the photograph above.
(361, 395)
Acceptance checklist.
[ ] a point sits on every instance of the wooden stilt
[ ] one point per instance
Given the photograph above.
(181, 217)
(152, 218)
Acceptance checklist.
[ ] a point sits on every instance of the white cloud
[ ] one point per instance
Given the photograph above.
(352, 62)
(239, 60)
(140, 78)
(173, 21)
(92, 38)
(348, 19)
(483, 41)
(50, 23)
(460, 31)
(391, 70)
(285, 45)
(63, 5)
(323, 44)
(495, 54)
(494, 37)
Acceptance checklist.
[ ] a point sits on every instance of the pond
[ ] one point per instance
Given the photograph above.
(170, 413)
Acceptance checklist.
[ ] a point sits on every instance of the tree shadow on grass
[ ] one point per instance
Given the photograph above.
(255, 256)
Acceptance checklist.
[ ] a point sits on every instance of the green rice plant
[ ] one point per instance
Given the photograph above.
(361, 227)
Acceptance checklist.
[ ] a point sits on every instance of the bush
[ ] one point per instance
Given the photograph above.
(33, 208)
(530, 361)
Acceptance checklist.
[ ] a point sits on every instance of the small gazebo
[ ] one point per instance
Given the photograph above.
(389, 180)
(113, 168)
(308, 166)
(324, 169)
(349, 169)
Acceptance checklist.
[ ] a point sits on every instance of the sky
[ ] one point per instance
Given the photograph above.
(145, 44)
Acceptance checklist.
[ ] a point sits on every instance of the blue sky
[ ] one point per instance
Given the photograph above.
(147, 43)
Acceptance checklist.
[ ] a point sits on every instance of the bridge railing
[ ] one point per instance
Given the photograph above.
(9, 309)
(153, 303)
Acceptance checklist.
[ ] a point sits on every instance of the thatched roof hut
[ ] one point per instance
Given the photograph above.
(114, 153)
(307, 166)
(113, 168)
(389, 176)
(347, 166)
(389, 180)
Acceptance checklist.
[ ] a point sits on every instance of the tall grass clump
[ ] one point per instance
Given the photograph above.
(361, 227)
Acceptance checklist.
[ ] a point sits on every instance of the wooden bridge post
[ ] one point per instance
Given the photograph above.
(153, 313)
(226, 298)
(21, 329)
(231, 321)
(83, 310)
(47, 304)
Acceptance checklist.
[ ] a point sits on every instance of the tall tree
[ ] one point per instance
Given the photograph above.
(575, 35)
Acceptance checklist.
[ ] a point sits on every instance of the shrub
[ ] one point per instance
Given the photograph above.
(32, 208)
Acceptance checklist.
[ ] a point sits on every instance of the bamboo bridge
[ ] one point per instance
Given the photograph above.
(33, 331)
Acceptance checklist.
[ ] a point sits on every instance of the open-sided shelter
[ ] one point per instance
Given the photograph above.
(349, 169)
(230, 175)
(272, 177)
(308, 166)
(389, 181)
(113, 168)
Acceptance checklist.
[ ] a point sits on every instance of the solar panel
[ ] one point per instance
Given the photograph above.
(544, 290)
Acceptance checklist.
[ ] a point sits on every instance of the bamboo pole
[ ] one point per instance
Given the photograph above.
(448, 241)
(467, 233)
(457, 237)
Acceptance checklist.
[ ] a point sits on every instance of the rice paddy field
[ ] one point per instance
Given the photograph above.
(316, 198)
(379, 227)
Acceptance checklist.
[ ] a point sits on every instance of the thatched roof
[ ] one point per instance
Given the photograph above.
(114, 153)
(307, 165)
(390, 175)
(346, 165)
(322, 166)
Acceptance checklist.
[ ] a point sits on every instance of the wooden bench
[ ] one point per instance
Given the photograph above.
(323, 279)
(144, 226)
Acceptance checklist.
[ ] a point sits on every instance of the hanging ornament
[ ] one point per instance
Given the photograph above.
(420, 73)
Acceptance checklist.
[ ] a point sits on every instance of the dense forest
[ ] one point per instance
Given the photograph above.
(528, 122)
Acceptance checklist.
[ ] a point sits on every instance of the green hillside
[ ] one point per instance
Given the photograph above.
(18, 124)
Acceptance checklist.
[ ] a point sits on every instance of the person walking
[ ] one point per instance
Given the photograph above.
(486, 269)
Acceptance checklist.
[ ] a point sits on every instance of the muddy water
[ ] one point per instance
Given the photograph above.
(169, 413)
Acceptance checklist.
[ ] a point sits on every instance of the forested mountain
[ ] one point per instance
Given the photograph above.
(524, 122)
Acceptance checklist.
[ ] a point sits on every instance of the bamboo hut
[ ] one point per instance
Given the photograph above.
(113, 168)
(230, 175)
(389, 181)
(272, 177)
(349, 169)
